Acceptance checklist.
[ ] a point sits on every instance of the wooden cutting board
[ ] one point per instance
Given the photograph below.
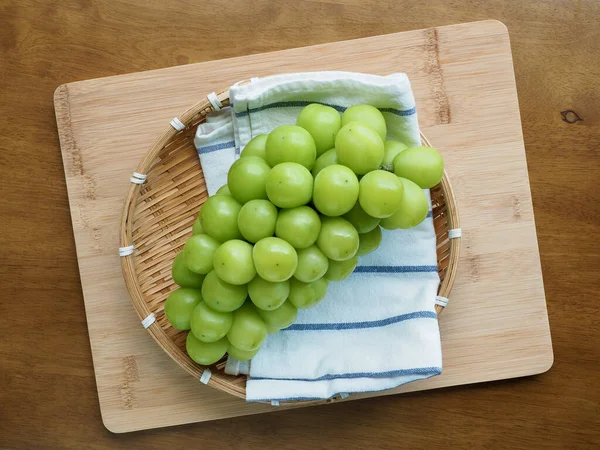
(495, 326)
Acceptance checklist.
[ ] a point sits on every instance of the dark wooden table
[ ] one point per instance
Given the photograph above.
(47, 390)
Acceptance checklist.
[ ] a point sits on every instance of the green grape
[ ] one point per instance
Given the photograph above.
(222, 296)
(241, 355)
(340, 270)
(256, 147)
(247, 179)
(380, 193)
(312, 264)
(291, 143)
(208, 325)
(218, 217)
(359, 147)
(257, 219)
(306, 295)
(360, 219)
(198, 253)
(413, 209)
(223, 190)
(422, 165)
(367, 114)
(369, 241)
(326, 159)
(392, 148)
(267, 295)
(233, 262)
(338, 239)
(183, 276)
(275, 260)
(299, 226)
(197, 228)
(179, 306)
(205, 353)
(320, 287)
(248, 331)
(335, 190)
(289, 185)
(322, 122)
(279, 318)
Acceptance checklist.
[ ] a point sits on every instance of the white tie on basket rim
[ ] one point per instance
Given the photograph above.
(205, 376)
(149, 320)
(177, 124)
(126, 251)
(138, 178)
(454, 233)
(214, 101)
(441, 301)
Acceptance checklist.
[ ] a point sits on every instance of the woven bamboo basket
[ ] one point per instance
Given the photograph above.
(166, 192)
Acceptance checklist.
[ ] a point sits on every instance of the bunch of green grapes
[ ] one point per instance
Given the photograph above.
(299, 207)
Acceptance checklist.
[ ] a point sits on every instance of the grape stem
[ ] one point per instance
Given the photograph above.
(388, 168)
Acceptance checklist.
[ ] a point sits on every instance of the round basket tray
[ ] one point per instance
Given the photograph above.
(166, 192)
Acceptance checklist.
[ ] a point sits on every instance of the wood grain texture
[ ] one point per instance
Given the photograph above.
(497, 325)
(48, 397)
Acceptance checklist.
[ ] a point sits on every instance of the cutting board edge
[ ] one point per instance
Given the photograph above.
(63, 112)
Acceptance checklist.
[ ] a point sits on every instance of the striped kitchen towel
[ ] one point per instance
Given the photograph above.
(216, 147)
(375, 330)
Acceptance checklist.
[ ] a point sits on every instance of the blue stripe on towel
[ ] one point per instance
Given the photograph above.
(361, 325)
(399, 112)
(303, 103)
(435, 371)
(215, 147)
(389, 373)
(395, 269)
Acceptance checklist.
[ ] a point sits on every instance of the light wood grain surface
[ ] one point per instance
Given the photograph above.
(496, 326)
(48, 395)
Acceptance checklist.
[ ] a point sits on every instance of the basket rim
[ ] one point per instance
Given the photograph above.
(190, 116)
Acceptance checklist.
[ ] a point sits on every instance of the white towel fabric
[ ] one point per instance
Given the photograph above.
(375, 330)
(216, 147)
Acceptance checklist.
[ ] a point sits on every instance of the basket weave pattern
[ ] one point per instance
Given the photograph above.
(158, 216)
